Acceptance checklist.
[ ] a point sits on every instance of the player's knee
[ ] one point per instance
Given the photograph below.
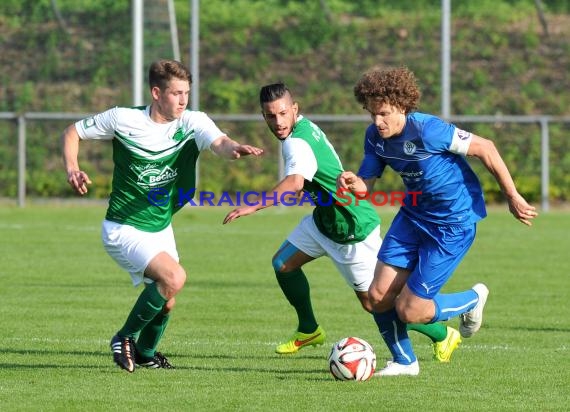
(375, 297)
(173, 281)
(404, 315)
(379, 301)
(279, 265)
(407, 313)
(179, 279)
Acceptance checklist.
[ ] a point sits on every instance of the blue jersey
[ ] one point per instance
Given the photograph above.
(429, 155)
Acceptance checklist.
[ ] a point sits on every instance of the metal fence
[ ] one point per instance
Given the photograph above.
(544, 123)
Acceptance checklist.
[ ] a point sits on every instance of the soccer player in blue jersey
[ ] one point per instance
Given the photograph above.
(349, 234)
(436, 224)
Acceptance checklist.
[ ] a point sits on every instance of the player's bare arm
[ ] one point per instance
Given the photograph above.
(76, 178)
(291, 185)
(485, 150)
(230, 149)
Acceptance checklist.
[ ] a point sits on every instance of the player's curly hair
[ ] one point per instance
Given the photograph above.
(395, 86)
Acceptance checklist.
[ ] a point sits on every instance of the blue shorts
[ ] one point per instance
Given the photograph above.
(430, 251)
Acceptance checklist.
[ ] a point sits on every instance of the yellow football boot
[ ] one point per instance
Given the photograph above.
(442, 350)
(300, 340)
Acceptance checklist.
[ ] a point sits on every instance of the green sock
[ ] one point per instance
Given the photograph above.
(296, 289)
(435, 331)
(151, 334)
(147, 306)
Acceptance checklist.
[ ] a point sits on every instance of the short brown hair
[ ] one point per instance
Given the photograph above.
(162, 71)
(395, 86)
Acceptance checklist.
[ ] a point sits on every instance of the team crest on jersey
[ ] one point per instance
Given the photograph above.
(409, 148)
(181, 134)
(87, 123)
(154, 177)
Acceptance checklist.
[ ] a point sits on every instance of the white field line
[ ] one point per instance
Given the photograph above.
(105, 342)
(18, 226)
(193, 228)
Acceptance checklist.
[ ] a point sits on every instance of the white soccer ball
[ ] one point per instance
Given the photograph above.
(352, 359)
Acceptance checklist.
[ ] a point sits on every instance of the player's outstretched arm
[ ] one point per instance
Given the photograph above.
(76, 177)
(290, 187)
(485, 150)
(230, 149)
(239, 212)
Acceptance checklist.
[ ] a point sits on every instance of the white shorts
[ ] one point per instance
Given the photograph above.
(133, 249)
(356, 262)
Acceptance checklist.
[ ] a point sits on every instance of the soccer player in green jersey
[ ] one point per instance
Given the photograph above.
(155, 149)
(340, 227)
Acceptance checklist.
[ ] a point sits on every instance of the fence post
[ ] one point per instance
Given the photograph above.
(544, 167)
(21, 160)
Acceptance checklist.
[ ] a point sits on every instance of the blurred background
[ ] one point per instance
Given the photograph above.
(64, 59)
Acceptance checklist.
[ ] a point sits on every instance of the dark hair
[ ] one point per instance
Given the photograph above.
(162, 71)
(272, 92)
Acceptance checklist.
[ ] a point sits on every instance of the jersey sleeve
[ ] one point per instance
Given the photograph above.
(98, 127)
(206, 131)
(299, 158)
(440, 136)
(460, 142)
(372, 165)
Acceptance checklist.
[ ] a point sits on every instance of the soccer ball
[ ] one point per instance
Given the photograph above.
(352, 359)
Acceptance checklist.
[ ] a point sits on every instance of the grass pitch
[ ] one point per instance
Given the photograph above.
(62, 298)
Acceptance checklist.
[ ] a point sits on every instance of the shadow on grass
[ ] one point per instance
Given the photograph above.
(50, 366)
(241, 369)
(292, 360)
(262, 356)
(536, 329)
(52, 352)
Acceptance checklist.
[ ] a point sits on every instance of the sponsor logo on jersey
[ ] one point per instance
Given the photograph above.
(409, 148)
(412, 174)
(154, 177)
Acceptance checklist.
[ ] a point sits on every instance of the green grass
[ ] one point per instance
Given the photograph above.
(62, 299)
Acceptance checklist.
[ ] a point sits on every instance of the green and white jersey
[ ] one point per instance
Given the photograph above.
(308, 152)
(154, 162)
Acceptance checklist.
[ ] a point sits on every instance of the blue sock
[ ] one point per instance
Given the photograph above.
(395, 335)
(449, 305)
